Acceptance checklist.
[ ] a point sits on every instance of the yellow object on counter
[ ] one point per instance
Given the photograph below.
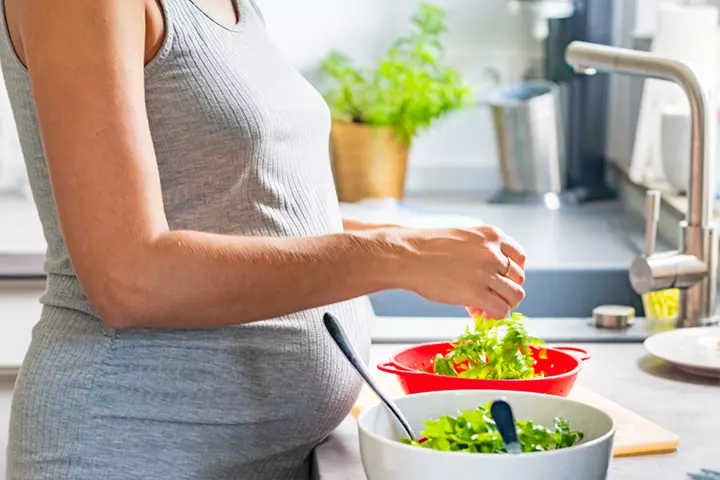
(661, 305)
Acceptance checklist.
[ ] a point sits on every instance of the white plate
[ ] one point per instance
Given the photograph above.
(695, 350)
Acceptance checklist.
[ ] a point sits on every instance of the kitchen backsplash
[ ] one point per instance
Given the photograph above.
(459, 154)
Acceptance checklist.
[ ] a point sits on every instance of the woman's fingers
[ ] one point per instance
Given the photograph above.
(475, 311)
(498, 299)
(503, 287)
(513, 251)
(509, 291)
(505, 266)
(493, 305)
(514, 273)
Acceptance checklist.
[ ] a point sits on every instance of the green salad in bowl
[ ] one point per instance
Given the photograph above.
(474, 431)
(560, 439)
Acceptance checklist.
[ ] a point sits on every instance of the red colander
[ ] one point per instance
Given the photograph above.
(561, 368)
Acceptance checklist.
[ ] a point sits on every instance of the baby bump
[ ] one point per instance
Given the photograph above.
(212, 400)
(282, 372)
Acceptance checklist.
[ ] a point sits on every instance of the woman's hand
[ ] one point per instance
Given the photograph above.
(479, 267)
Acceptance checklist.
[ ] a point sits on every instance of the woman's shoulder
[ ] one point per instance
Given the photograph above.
(154, 25)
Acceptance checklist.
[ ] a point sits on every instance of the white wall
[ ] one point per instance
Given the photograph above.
(481, 34)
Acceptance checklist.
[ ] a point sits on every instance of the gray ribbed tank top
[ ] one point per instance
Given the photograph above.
(242, 149)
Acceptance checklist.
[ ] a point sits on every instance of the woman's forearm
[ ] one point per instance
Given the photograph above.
(196, 280)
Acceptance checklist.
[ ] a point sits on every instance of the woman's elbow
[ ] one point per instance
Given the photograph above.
(127, 290)
(116, 308)
(123, 302)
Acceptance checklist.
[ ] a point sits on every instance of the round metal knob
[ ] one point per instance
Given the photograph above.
(613, 316)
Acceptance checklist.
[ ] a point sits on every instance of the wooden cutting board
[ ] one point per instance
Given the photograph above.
(635, 435)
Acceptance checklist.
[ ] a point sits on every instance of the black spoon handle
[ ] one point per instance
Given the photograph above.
(341, 340)
(505, 421)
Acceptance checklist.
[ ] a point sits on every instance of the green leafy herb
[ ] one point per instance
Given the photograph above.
(474, 431)
(495, 349)
(409, 89)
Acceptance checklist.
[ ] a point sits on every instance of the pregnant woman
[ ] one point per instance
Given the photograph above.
(180, 170)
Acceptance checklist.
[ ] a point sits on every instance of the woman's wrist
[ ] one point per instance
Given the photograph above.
(392, 257)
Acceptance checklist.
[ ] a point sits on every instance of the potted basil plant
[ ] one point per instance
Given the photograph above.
(377, 112)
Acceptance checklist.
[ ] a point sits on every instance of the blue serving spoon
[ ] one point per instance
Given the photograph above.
(505, 421)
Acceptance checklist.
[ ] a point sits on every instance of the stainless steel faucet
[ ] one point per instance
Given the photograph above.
(693, 268)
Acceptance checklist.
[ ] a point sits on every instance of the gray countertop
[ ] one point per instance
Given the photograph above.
(394, 330)
(688, 406)
(594, 234)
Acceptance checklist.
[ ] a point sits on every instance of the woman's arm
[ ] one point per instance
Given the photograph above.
(85, 59)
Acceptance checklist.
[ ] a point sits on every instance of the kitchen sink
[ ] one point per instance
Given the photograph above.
(551, 293)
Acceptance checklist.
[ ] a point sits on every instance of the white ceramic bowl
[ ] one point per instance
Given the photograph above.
(385, 458)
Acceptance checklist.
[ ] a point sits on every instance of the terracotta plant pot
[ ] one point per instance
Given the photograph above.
(367, 162)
